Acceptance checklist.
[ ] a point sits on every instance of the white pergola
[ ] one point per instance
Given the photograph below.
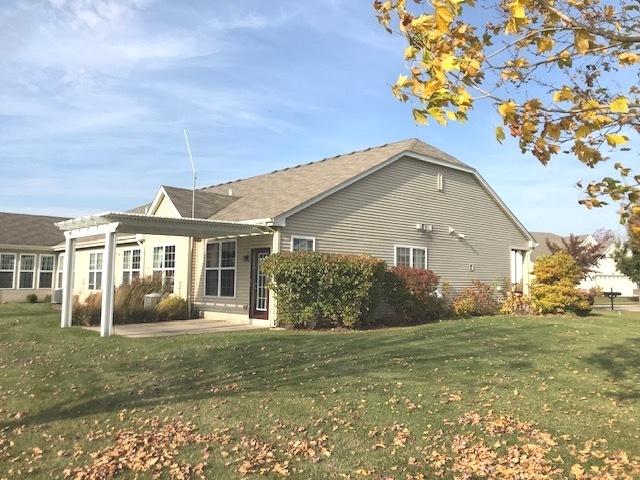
(110, 224)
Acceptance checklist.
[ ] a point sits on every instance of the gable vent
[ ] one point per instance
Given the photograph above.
(440, 182)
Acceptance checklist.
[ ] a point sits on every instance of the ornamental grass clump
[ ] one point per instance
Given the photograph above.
(320, 290)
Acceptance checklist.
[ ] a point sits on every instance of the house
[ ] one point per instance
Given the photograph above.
(28, 262)
(605, 274)
(407, 203)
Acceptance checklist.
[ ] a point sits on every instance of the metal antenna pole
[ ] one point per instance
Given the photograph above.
(193, 169)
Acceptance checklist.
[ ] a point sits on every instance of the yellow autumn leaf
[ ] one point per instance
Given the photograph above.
(403, 81)
(451, 115)
(449, 62)
(581, 41)
(577, 471)
(544, 44)
(628, 58)
(500, 136)
(517, 10)
(507, 109)
(615, 139)
(444, 17)
(420, 117)
(410, 52)
(565, 93)
(619, 105)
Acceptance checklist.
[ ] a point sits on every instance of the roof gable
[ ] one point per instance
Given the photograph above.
(273, 194)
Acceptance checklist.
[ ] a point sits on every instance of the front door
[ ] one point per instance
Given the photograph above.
(259, 301)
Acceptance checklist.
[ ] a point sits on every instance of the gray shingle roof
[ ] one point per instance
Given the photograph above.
(32, 230)
(272, 194)
(207, 202)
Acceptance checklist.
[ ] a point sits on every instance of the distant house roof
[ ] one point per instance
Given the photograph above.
(29, 230)
(543, 237)
(272, 194)
(207, 203)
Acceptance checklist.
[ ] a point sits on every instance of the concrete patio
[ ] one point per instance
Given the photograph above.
(178, 327)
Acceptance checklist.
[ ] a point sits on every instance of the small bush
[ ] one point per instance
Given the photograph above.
(560, 266)
(324, 290)
(32, 298)
(554, 289)
(172, 307)
(518, 304)
(412, 293)
(476, 300)
(47, 299)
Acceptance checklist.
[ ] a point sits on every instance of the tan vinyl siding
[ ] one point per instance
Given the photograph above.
(239, 305)
(382, 210)
(16, 294)
(166, 209)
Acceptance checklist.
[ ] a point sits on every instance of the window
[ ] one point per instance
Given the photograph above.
(27, 271)
(60, 269)
(414, 257)
(45, 277)
(303, 244)
(95, 271)
(7, 269)
(439, 182)
(220, 269)
(130, 265)
(164, 265)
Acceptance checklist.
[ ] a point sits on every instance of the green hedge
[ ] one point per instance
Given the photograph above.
(324, 290)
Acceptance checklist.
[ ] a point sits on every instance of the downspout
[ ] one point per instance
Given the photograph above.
(190, 278)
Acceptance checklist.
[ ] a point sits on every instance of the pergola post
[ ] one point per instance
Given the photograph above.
(273, 305)
(67, 281)
(108, 284)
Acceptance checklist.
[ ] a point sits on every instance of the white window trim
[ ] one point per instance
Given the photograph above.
(13, 272)
(164, 268)
(34, 271)
(52, 271)
(97, 269)
(302, 237)
(131, 270)
(60, 271)
(411, 249)
(235, 276)
(440, 182)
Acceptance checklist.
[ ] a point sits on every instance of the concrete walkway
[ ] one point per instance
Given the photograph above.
(178, 327)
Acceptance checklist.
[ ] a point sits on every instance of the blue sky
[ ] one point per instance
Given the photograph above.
(94, 95)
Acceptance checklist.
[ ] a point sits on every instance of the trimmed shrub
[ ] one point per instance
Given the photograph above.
(32, 298)
(324, 290)
(476, 300)
(172, 307)
(518, 304)
(47, 299)
(554, 289)
(412, 292)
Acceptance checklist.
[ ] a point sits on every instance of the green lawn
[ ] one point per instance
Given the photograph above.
(492, 397)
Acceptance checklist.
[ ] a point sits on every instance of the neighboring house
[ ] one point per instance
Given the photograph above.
(407, 203)
(605, 275)
(28, 263)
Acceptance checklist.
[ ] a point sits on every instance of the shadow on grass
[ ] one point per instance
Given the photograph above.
(177, 370)
(622, 363)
